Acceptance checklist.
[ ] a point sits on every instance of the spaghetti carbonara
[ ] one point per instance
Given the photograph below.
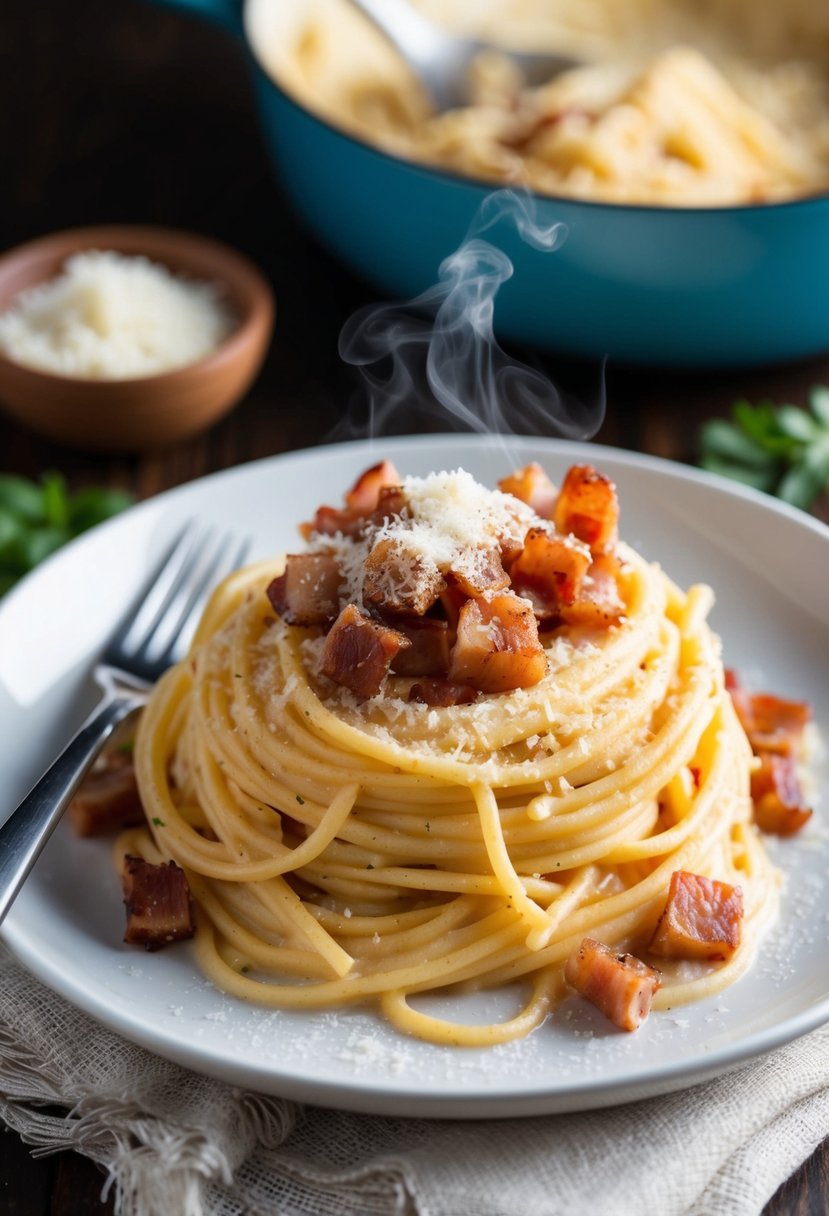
(678, 103)
(365, 820)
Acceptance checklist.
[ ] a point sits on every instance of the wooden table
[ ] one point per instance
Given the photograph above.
(118, 111)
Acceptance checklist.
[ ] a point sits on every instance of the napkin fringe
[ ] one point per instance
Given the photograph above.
(120, 1135)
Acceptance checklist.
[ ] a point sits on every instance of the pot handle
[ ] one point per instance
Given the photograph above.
(227, 13)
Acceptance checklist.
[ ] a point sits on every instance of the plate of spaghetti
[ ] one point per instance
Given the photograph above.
(491, 787)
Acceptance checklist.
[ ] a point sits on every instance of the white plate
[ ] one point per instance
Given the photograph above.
(770, 567)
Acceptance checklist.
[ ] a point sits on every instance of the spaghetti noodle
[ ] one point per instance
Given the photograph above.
(346, 849)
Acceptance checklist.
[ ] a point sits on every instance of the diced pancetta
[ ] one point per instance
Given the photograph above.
(701, 919)
(157, 900)
(772, 724)
(307, 593)
(333, 521)
(774, 727)
(364, 495)
(588, 508)
(359, 651)
(396, 581)
(361, 501)
(620, 985)
(598, 601)
(532, 486)
(497, 647)
(482, 571)
(549, 570)
(108, 798)
(391, 504)
(779, 805)
(442, 693)
(428, 653)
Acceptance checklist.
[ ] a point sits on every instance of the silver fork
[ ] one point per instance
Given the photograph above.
(151, 636)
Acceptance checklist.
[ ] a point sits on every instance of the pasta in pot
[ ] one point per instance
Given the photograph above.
(678, 103)
(345, 848)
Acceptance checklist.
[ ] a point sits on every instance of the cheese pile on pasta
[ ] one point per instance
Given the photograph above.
(466, 735)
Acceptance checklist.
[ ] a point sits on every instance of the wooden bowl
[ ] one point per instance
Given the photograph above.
(149, 411)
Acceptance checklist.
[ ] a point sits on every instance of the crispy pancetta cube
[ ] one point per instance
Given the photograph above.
(359, 651)
(482, 571)
(549, 570)
(779, 806)
(598, 601)
(396, 581)
(772, 724)
(532, 486)
(333, 521)
(620, 985)
(361, 501)
(307, 593)
(364, 495)
(497, 647)
(442, 693)
(391, 504)
(157, 900)
(108, 798)
(428, 653)
(701, 919)
(588, 508)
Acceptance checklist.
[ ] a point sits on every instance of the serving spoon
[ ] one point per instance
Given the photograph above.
(441, 60)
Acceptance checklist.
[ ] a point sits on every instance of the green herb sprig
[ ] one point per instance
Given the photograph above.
(37, 517)
(782, 449)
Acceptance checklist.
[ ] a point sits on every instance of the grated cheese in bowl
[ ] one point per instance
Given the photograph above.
(108, 316)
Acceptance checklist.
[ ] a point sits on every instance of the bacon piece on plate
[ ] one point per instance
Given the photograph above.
(359, 651)
(364, 495)
(588, 508)
(428, 654)
(779, 805)
(497, 647)
(107, 800)
(442, 693)
(598, 601)
(395, 580)
(620, 985)
(532, 486)
(307, 593)
(701, 919)
(771, 723)
(157, 899)
(549, 570)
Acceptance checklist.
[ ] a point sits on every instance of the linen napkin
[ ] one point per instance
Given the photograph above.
(173, 1143)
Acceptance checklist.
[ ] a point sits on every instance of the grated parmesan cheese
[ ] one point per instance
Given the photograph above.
(449, 523)
(454, 517)
(112, 317)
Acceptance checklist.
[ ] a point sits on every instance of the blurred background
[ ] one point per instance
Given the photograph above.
(118, 110)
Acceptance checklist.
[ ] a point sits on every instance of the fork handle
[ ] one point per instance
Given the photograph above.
(27, 829)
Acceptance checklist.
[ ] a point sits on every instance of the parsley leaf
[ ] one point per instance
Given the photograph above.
(38, 517)
(781, 449)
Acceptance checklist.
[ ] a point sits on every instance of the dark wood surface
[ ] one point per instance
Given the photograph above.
(117, 110)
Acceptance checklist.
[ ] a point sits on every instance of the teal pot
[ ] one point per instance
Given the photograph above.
(691, 287)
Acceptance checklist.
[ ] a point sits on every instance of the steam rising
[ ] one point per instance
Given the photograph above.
(439, 351)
